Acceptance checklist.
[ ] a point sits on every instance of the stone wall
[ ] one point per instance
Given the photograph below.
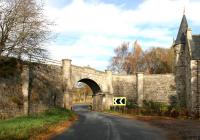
(156, 87)
(159, 87)
(125, 86)
(46, 87)
(195, 86)
(46, 90)
(50, 86)
(11, 98)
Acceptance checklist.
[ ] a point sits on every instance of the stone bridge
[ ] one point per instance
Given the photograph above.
(100, 82)
(105, 85)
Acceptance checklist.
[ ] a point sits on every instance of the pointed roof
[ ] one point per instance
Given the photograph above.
(181, 36)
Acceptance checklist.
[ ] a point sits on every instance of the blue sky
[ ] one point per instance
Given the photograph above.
(88, 30)
(126, 4)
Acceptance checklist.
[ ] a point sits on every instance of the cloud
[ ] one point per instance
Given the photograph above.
(100, 27)
(88, 50)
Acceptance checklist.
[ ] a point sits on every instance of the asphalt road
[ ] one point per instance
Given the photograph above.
(98, 126)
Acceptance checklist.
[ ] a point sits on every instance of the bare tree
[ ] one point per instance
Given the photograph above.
(23, 28)
(117, 63)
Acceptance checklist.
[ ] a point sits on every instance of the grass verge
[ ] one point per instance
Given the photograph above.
(23, 128)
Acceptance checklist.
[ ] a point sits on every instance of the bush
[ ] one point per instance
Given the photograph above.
(154, 108)
(130, 104)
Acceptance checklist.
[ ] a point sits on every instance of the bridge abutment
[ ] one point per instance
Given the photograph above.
(107, 101)
(102, 101)
(97, 102)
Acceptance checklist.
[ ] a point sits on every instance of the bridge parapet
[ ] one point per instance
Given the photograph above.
(86, 70)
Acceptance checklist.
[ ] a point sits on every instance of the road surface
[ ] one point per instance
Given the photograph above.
(98, 126)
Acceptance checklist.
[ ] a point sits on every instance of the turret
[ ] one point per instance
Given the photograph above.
(179, 46)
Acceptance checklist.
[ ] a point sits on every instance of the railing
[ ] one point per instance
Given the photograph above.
(44, 60)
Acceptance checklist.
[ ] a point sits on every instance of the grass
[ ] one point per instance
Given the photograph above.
(22, 128)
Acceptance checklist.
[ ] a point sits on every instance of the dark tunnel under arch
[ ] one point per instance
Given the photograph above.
(92, 84)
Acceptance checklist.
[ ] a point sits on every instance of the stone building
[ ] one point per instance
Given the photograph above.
(187, 67)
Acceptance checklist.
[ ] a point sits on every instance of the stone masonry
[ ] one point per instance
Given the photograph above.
(105, 85)
(187, 51)
(51, 85)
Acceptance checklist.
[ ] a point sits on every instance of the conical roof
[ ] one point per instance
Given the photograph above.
(181, 36)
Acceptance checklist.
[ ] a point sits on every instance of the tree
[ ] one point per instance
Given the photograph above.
(154, 60)
(125, 61)
(23, 28)
(86, 91)
(117, 63)
(134, 61)
(159, 60)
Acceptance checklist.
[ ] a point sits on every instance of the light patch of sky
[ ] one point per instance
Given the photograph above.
(194, 26)
(124, 4)
(89, 30)
(59, 3)
(70, 37)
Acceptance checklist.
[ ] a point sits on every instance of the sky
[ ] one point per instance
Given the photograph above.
(87, 31)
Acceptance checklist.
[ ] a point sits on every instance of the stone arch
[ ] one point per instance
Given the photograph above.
(97, 94)
(99, 82)
(92, 84)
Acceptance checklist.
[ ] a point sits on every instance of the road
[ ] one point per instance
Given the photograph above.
(99, 126)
